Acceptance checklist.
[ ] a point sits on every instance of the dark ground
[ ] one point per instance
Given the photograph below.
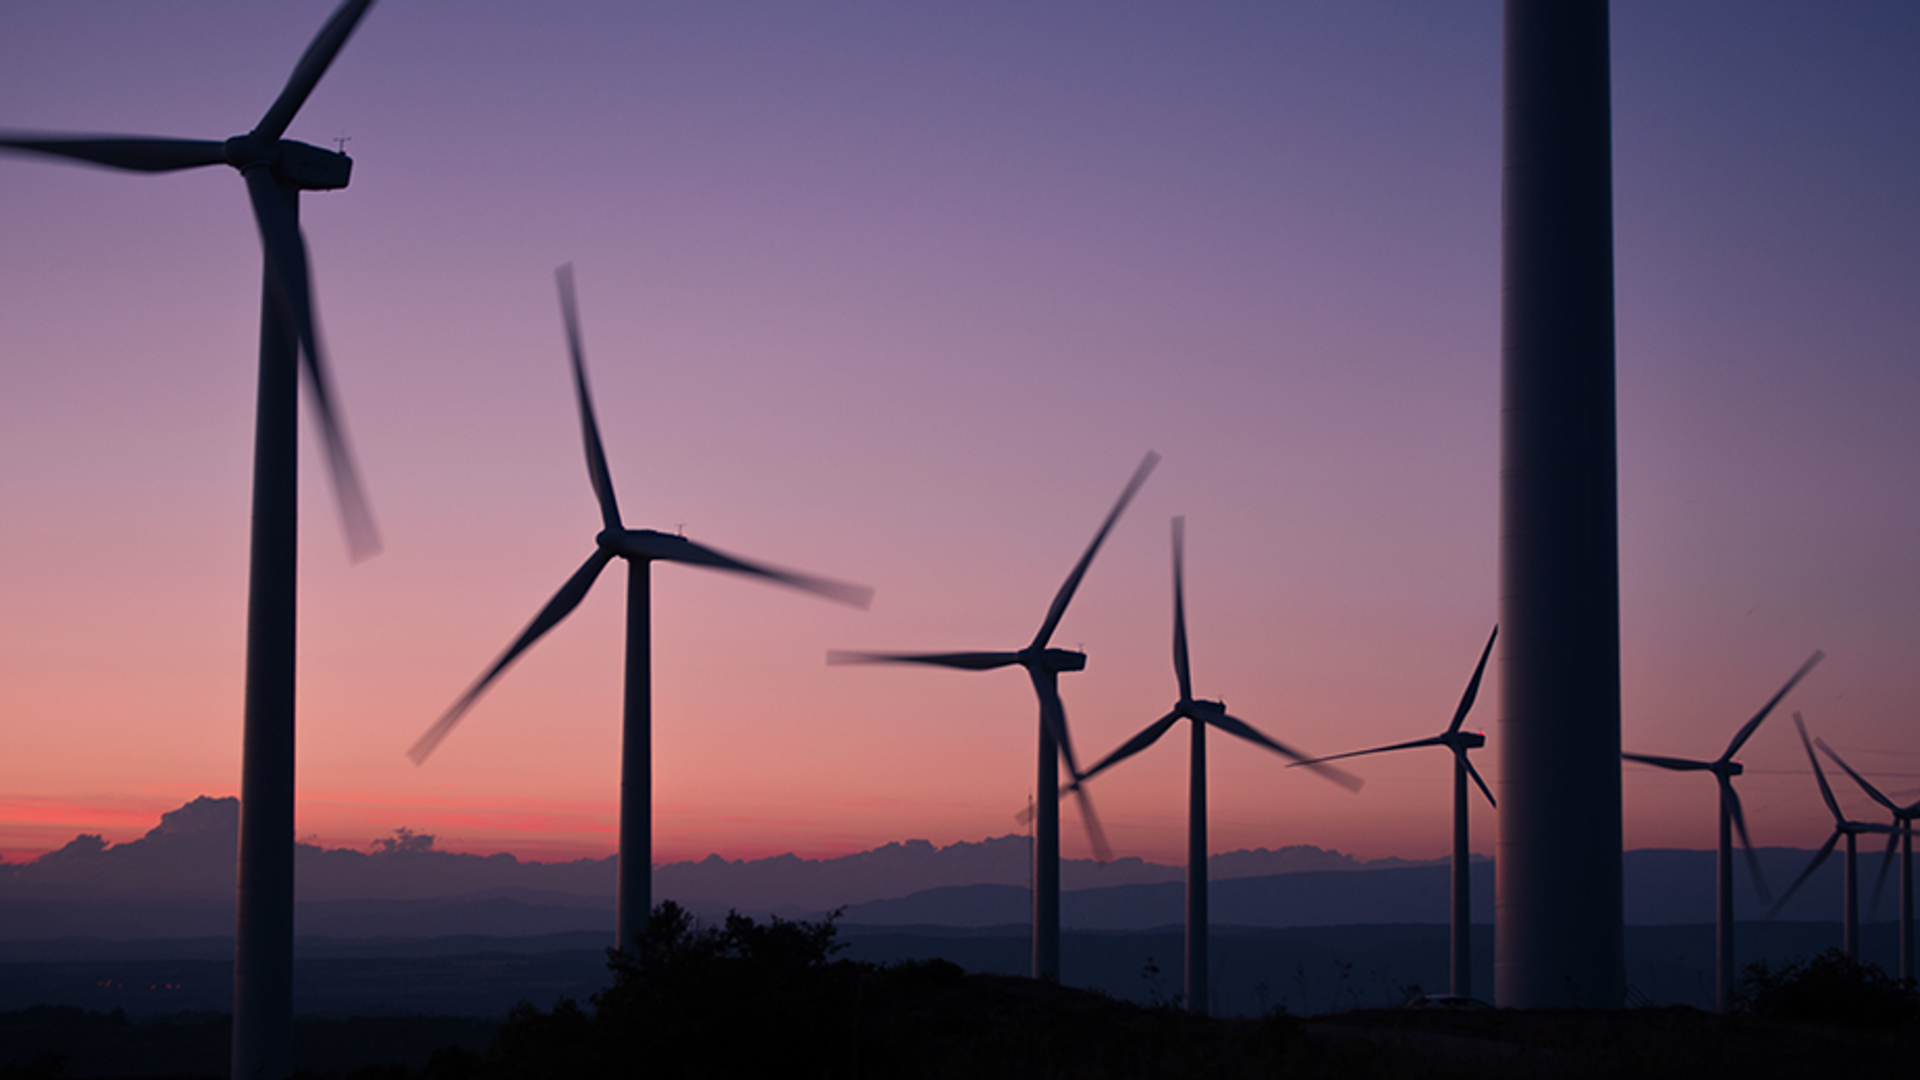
(1010, 1027)
(1307, 970)
(384, 1017)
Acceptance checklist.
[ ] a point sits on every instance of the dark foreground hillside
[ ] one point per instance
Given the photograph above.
(745, 999)
(1005, 1027)
(999, 1026)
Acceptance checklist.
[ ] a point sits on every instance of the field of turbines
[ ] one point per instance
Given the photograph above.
(879, 458)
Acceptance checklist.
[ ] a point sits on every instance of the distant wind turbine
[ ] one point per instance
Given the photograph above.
(1901, 836)
(1842, 826)
(1201, 713)
(1044, 665)
(1724, 769)
(1458, 741)
(276, 171)
(641, 548)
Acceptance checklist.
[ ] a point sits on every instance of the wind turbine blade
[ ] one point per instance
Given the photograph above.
(1233, 725)
(1872, 792)
(1747, 730)
(558, 608)
(1437, 740)
(1880, 882)
(1096, 836)
(131, 152)
(1065, 596)
(1473, 684)
(1818, 858)
(967, 661)
(1053, 713)
(1180, 669)
(589, 427)
(1826, 792)
(1475, 773)
(1132, 746)
(1678, 764)
(681, 549)
(1746, 842)
(286, 254)
(312, 65)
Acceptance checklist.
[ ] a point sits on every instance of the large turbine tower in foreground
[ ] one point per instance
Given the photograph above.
(1559, 928)
(276, 170)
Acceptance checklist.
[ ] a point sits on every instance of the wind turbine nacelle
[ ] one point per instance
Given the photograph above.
(643, 544)
(310, 168)
(1063, 660)
(1470, 740)
(296, 164)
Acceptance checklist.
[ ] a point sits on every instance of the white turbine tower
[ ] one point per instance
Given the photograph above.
(1460, 917)
(1200, 713)
(641, 548)
(1724, 769)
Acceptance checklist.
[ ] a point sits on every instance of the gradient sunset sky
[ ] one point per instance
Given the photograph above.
(900, 294)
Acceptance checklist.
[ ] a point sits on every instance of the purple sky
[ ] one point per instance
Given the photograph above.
(901, 296)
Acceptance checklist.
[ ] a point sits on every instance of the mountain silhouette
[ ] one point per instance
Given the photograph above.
(177, 881)
(191, 854)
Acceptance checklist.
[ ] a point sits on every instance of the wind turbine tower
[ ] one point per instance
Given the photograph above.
(1559, 922)
(1201, 713)
(641, 548)
(1044, 663)
(276, 170)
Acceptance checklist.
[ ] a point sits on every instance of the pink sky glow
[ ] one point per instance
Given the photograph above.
(900, 295)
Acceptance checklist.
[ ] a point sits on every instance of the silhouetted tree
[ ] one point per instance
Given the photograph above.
(748, 999)
(690, 1000)
(1832, 988)
(684, 998)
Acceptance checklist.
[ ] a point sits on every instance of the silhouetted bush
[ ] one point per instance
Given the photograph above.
(1832, 988)
(727, 1000)
(749, 999)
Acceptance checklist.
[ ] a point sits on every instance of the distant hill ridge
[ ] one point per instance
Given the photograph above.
(177, 882)
(190, 854)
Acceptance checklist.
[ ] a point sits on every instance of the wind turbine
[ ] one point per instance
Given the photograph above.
(1458, 741)
(1044, 665)
(1201, 713)
(1842, 826)
(641, 548)
(1902, 837)
(276, 171)
(1724, 769)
